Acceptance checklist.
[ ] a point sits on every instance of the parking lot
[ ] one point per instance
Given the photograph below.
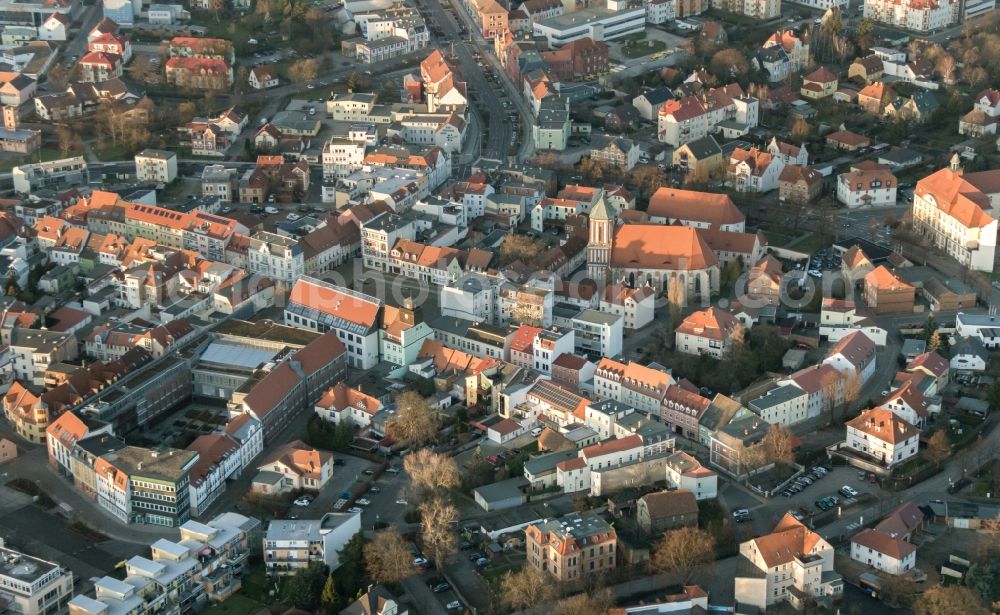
(763, 516)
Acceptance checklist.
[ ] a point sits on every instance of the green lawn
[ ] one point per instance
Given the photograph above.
(810, 243)
(641, 49)
(112, 151)
(43, 155)
(237, 604)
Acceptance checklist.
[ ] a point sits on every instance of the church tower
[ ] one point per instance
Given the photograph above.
(602, 228)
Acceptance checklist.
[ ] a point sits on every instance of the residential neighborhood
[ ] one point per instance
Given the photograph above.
(471, 306)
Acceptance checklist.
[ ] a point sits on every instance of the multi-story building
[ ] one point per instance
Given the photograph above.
(886, 293)
(401, 334)
(572, 547)
(389, 33)
(755, 9)
(578, 60)
(954, 210)
(320, 306)
(695, 209)
(380, 234)
(290, 546)
(156, 165)
(878, 434)
(799, 184)
(917, 15)
(754, 170)
(33, 351)
(206, 564)
(686, 472)
(141, 485)
(292, 383)
(642, 387)
(985, 115)
(869, 186)
(727, 110)
(54, 174)
(708, 331)
(783, 405)
(493, 17)
(33, 586)
(792, 563)
(275, 256)
(342, 403)
(598, 334)
(599, 23)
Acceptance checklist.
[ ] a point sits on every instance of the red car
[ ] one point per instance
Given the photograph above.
(492, 459)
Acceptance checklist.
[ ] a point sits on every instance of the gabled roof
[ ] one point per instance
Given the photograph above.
(669, 503)
(610, 447)
(789, 539)
(676, 204)
(821, 75)
(856, 348)
(888, 545)
(713, 323)
(300, 459)
(882, 424)
(930, 362)
(653, 246)
(883, 279)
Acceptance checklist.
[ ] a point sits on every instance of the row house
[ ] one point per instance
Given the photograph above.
(352, 316)
(275, 395)
(111, 341)
(642, 387)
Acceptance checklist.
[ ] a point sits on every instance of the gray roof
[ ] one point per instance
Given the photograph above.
(704, 147)
(503, 490)
(299, 529)
(547, 463)
(596, 317)
(658, 96)
(777, 396)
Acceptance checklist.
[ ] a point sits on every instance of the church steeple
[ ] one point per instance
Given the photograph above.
(602, 226)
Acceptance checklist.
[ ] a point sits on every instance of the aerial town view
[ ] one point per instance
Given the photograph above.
(488, 307)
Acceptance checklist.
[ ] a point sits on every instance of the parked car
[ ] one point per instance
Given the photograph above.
(420, 562)
(354, 509)
(482, 561)
(454, 605)
(402, 502)
(741, 514)
(368, 473)
(303, 500)
(271, 210)
(363, 502)
(441, 587)
(849, 492)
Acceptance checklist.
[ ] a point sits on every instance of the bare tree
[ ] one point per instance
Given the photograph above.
(303, 70)
(69, 140)
(143, 70)
(778, 445)
(584, 604)
(949, 600)
(938, 446)
(526, 588)
(728, 64)
(945, 67)
(683, 552)
(438, 519)
(852, 387)
(387, 557)
(414, 423)
(431, 473)
(58, 76)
